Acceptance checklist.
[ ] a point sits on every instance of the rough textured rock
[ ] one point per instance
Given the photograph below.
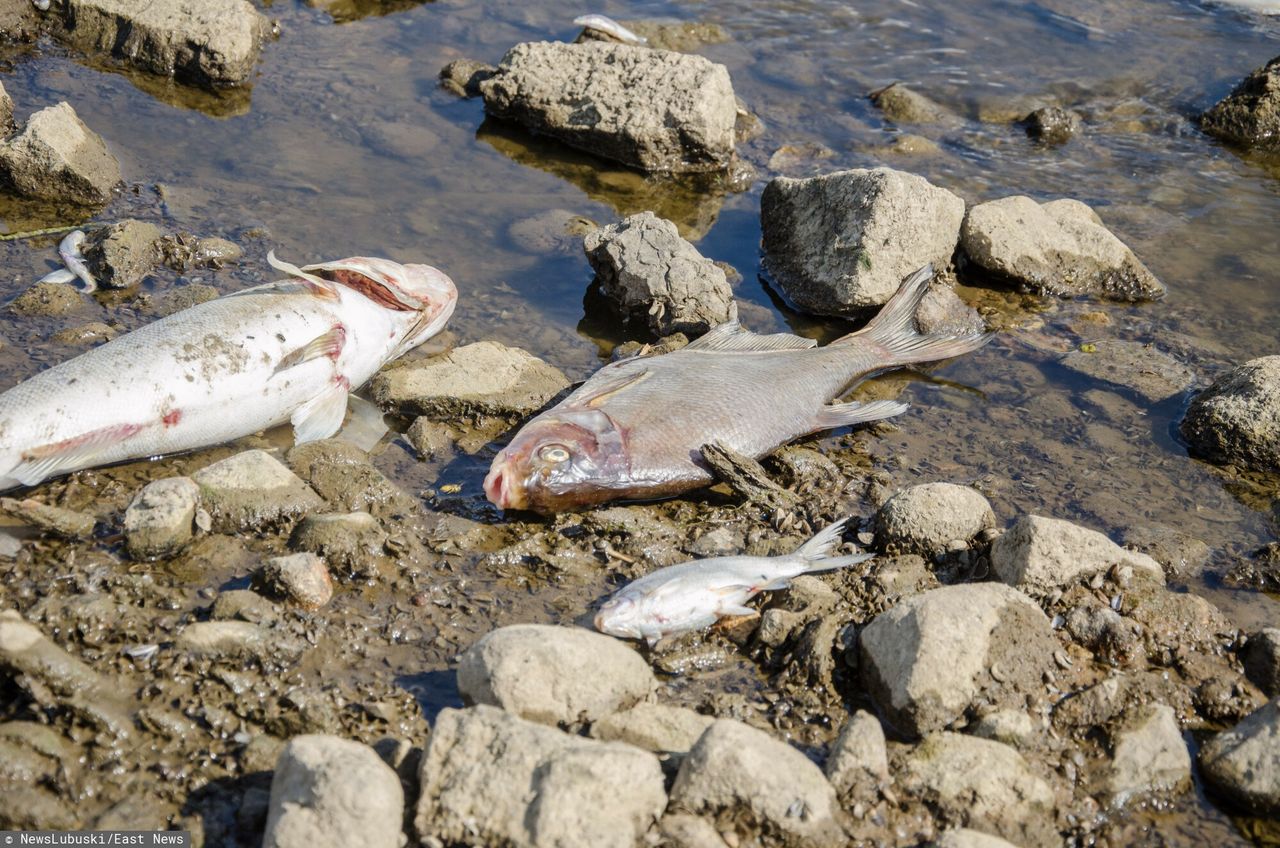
(736, 767)
(7, 125)
(1038, 555)
(47, 299)
(657, 278)
(942, 311)
(215, 41)
(1010, 727)
(1250, 114)
(1148, 755)
(489, 778)
(924, 518)
(928, 658)
(122, 254)
(650, 109)
(251, 489)
(303, 578)
(234, 639)
(57, 157)
(1243, 763)
(1262, 660)
(903, 105)
(463, 76)
(329, 792)
(553, 674)
(859, 754)
(54, 520)
(982, 785)
(92, 333)
(348, 540)
(653, 727)
(843, 242)
(1142, 369)
(486, 378)
(1052, 124)
(1058, 248)
(963, 837)
(161, 517)
(1178, 552)
(1237, 419)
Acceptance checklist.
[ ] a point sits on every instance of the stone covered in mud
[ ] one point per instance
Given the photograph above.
(1056, 248)
(1243, 763)
(1039, 555)
(657, 278)
(57, 157)
(252, 489)
(859, 754)
(843, 242)
(122, 254)
(651, 109)
(1237, 419)
(1250, 114)
(161, 518)
(904, 105)
(924, 519)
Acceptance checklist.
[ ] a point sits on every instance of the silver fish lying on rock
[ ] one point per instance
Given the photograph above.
(693, 595)
(286, 351)
(69, 251)
(634, 430)
(610, 27)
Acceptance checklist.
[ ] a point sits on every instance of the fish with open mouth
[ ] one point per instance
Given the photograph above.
(291, 350)
(635, 429)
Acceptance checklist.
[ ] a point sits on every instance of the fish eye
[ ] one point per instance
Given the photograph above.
(553, 453)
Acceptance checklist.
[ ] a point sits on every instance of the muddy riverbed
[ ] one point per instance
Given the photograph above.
(343, 142)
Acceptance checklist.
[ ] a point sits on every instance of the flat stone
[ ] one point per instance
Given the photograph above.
(1237, 419)
(653, 727)
(923, 519)
(1149, 373)
(1250, 114)
(303, 578)
(859, 755)
(1243, 763)
(1148, 755)
(160, 519)
(57, 157)
(1009, 727)
(55, 520)
(1178, 552)
(1039, 555)
(121, 255)
(349, 540)
(252, 489)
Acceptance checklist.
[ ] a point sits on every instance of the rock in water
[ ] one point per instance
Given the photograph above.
(843, 242)
(1151, 374)
(1237, 419)
(124, 253)
(903, 105)
(1038, 555)
(1056, 248)
(1149, 755)
(651, 109)
(658, 278)
(57, 157)
(1250, 114)
(1243, 763)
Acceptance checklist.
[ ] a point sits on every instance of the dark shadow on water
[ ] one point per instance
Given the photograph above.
(433, 690)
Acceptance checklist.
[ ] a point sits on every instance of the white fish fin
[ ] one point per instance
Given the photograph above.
(845, 414)
(738, 609)
(365, 426)
(610, 387)
(832, 563)
(320, 417)
(731, 336)
(314, 284)
(329, 343)
(819, 547)
(40, 463)
(894, 329)
(62, 275)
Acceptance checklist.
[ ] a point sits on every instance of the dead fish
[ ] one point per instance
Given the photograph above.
(693, 595)
(610, 27)
(635, 428)
(69, 251)
(286, 351)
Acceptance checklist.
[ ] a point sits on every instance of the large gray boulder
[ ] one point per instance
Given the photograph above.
(843, 242)
(1039, 555)
(329, 792)
(929, 658)
(1056, 248)
(651, 109)
(490, 778)
(1243, 763)
(1250, 114)
(57, 157)
(923, 519)
(1237, 419)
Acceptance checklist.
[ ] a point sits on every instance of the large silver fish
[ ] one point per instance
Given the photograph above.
(635, 429)
(286, 351)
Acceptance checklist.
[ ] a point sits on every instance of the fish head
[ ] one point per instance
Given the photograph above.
(563, 459)
(620, 616)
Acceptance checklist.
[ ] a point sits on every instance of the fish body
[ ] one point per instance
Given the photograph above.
(286, 351)
(610, 27)
(635, 429)
(694, 595)
(73, 262)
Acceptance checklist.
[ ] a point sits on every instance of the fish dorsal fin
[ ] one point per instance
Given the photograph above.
(731, 336)
(314, 284)
(609, 387)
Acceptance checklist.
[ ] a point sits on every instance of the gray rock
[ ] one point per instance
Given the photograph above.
(55, 520)
(252, 489)
(329, 792)
(1056, 248)
(1142, 369)
(1148, 755)
(1052, 124)
(57, 157)
(122, 254)
(92, 333)
(859, 755)
(941, 311)
(747, 772)
(303, 578)
(463, 76)
(349, 540)
(1237, 419)
(685, 831)
(47, 300)
(485, 378)
(1179, 553)
(651, 109)
(1243, 763)
(342, 474)
(722, 541)
(243, 605)
(984, 785)
(490, 778)
(225, 639)
(927, 659)
(215, 41)
(1250, 114)
(7, 125)
(843, 242)
(1262, 660)
(1039, 555)
(1009, 727)
(653, 727)
(925, 518)
(963, 837)
(903, 105)
(399, 139)
(184, 297)
(657, 278)
(161, 517)
(554, 674)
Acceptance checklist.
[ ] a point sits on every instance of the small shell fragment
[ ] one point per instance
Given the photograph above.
(1061, 658)
(141, 653)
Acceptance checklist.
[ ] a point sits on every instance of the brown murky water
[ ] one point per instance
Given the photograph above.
(345, 144)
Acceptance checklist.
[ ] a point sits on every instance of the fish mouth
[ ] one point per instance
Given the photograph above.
(504, 488)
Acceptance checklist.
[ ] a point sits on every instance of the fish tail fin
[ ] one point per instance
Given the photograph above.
(816, 553)
(832, 563)
(894, 328)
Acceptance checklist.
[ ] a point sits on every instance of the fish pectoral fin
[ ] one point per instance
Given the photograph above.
(329, 343)
(844, 414)
(610, 387)
(40, 463)
(320, 417)
(738, 610)
(62, 275)
(731, 336)
(366, 427)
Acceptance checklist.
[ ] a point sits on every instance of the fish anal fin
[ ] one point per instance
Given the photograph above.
(327, 344)
(738, 610)
(365, 426)
(321, 417)
(44, 461)
(845, 414)
(731, 336)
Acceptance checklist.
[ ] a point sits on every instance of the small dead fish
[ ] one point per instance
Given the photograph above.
(611, 28)
(694, 595)
(73, 260)
(635, 429)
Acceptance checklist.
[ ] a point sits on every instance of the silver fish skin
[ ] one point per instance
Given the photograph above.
(286, 351)
(610, 27)
(694, 595)
(635, 429)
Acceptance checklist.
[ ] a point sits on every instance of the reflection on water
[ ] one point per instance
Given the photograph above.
(344, 11)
